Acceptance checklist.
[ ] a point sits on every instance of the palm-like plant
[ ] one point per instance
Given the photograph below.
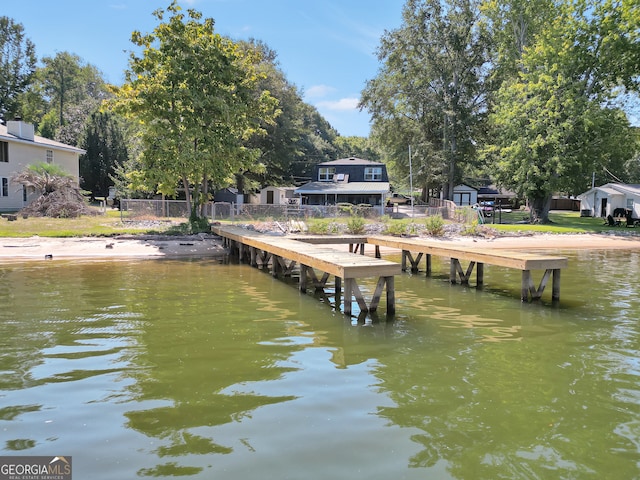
(60, 195)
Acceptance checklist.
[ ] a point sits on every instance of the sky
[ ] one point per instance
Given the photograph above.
(326, 48)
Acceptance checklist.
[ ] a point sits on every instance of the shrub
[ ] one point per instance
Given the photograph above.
(434, 225)
(317, 227)
(395, 228)
(355, 225)
(471, 229)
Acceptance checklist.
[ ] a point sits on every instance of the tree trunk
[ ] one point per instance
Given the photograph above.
(540, 207)
(205, 195)
(187, 194)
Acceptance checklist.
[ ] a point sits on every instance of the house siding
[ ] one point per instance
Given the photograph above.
(22, 153)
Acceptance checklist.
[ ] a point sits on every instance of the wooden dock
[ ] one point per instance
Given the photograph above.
(413, 249)
(283, 254)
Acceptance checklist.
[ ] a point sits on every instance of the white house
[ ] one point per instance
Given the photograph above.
(19, 147)
(605, 200)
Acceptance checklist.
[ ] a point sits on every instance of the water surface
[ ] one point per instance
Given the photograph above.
(208, 370)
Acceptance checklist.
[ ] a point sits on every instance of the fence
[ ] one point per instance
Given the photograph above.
(137, 209)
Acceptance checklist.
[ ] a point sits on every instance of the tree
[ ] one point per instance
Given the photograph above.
(60, 76)
(279, 150)
(105, 147)
(60, 196)
(554, 124)
(430, 90)
(360, 147)
(70, 91)
(193, 92)
(17, 66)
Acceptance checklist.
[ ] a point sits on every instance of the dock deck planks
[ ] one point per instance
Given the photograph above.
(344, 266)
(526, 262)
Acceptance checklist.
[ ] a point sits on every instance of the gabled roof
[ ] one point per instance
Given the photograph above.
(337, 188)
(614, 189)
(350, 161)
(38, 141)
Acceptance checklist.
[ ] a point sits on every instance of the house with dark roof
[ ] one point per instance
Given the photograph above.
(348, 180)
(20, 147)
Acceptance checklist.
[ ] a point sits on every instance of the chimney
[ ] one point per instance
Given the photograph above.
(20, 129)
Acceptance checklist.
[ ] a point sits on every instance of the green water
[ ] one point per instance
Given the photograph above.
(201, 369)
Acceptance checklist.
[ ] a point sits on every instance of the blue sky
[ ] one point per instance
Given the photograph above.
(326, 48)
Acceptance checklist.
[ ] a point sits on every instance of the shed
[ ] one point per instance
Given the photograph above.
(606, 199)
(465, 195)
(276, 195)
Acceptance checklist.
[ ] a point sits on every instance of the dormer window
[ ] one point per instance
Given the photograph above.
(372, 174)
(325, 174)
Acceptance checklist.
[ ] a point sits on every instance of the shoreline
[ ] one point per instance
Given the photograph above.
(147, 246)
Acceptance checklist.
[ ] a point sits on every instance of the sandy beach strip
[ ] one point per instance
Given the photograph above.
(40, 248)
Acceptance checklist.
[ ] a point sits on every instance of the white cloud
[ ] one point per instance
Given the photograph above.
(318, 91)
(344, 104)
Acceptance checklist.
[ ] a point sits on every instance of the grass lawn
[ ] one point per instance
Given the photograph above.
(99, 225)
(111, 224)
(563, 222)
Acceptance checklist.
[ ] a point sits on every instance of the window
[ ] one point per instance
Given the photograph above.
(24, 194)
(325, 174)
(372, 174)
(5, 187)
(629, 203)
(49, 156)
(4, 151)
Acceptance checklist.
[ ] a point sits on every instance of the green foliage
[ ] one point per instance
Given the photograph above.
(430, 92)
(199, 225)
(434, 225)
(555, 123)
(345, 209)
(472, 229)
(355, 225)
(106, 149)
(17, 64)
(194, 93)
(395, 228)
(323, 226)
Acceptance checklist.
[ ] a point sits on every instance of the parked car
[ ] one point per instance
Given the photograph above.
(398, 199)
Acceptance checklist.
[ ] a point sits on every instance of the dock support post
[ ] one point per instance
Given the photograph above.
(428, 264)
(391, 295)
(555, 295)
(348, 295)
(302, 284)
(480, 273)
(528, 286)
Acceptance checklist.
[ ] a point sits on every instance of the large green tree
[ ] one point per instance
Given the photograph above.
(430, 91)
(104, 143)
(554, 123)
(193, 92)
(73, 90)
(17, 66)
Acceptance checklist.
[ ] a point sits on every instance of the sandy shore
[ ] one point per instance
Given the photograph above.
(40, 248)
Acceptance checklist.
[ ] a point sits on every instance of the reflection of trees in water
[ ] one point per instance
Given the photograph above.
(195, 347)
